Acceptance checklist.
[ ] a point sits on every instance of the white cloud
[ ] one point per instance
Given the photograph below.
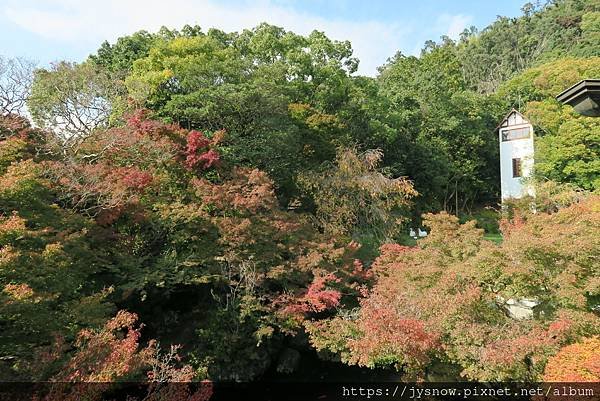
(455, 24)
(89, 23)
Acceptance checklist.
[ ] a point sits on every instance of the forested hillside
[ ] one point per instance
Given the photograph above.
(245, 197)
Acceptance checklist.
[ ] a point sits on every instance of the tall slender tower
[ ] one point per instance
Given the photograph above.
(515, 133)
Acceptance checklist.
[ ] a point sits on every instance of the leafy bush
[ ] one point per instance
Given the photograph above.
(487, 219)
(444, 298)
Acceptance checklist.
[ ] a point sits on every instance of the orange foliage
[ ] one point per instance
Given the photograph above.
(248, 190)
(107, 355)
(579, 362)
(318, 297)
(18, 291)
(12, 224)
(113, 354)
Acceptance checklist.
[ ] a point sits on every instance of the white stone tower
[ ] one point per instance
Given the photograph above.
(515, 133)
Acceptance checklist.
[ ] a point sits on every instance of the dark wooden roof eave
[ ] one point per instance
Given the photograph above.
(579, 89)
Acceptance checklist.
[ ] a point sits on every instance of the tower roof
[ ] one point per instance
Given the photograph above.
(505, 121)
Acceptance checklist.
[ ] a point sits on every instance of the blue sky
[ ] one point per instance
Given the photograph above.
(50, 30)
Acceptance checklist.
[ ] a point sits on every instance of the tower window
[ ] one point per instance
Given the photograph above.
(513, 134)
(516, 168)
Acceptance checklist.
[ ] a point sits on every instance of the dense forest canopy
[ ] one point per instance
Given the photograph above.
(246, 195)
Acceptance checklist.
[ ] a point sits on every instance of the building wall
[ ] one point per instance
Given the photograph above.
(519, 148)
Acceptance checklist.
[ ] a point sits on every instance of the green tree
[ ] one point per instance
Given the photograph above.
(121, 55)
(455, 153)
(572, 154)
(542, 34)
(245, 83)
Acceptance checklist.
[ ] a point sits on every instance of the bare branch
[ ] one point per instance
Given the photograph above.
(72, 100)
(16, 77)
